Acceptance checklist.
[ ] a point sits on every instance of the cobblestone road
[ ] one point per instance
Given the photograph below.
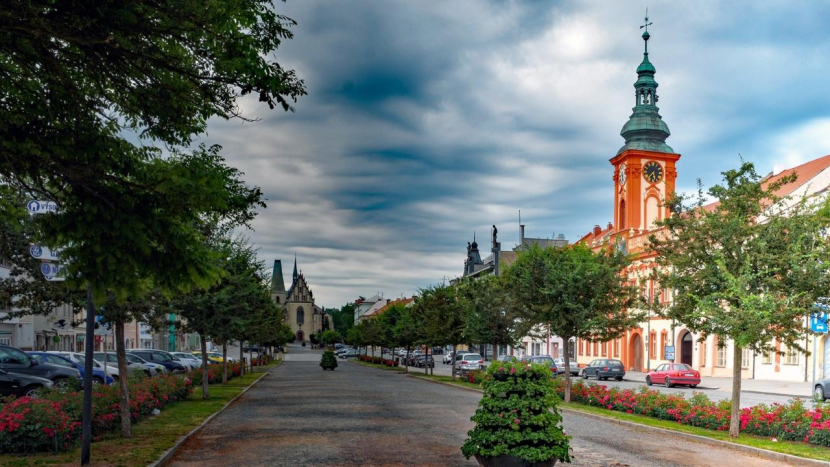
(299, 415)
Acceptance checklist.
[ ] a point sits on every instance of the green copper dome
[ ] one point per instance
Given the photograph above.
(645, 129)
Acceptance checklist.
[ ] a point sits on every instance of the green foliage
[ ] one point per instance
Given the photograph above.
(343, 319)
(574, 291)
(329, 361)
(518, 416)
(749, 268)
(488, 315)
(439, 315)
(331, 337)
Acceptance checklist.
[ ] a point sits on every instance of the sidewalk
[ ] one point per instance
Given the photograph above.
(759, 386)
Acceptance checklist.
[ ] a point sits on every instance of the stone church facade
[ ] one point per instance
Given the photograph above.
(297, 302)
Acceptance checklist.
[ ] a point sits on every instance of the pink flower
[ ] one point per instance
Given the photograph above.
(501, 415)
(512, 370)
(516, 421)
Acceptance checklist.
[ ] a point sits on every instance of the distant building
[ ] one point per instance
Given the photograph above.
(367, 306)
(495, 263)
(300, 311)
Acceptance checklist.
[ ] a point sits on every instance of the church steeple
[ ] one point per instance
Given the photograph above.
(296, 275)
(645, 129)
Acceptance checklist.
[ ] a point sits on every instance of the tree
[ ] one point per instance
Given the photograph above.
(488, 315)
(406, 331)
(575, 292)
(355, 336)
(749, 268)
(343, 319)
(331, 337)
(439, 318)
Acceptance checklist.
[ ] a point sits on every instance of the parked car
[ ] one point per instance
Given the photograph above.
(210, 356)
(98, 376)
(603, 369)
(189, 359)
(14, 360)
(465, 362)
(673, 374)
(546, 360)
(112, 362)
(447, 358)
(410, 359)
(19, 384)
(343, 350)
(419, 362)
(81, 360)
(255, 348)
(151, 369)
(507, 358)
(161, 357)
(560, 364)
(821, 390)
(351, 353)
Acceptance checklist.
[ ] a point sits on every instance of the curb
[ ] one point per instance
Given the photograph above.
(766, 393)
(168, 455)
(758, 452)
(763, 453)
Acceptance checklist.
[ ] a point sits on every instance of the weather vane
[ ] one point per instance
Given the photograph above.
(647, 23)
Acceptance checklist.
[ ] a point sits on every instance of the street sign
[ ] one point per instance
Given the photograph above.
(53, 272)
(45, 253)
(669, 353)
(41, 207)
(818, 322)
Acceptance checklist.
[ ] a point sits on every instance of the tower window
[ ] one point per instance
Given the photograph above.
(622, 214)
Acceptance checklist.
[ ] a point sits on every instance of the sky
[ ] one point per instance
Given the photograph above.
(427, 122)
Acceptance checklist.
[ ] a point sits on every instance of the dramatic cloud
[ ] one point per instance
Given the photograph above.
(426, 122)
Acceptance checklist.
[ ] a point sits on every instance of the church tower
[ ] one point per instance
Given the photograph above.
(644, 168)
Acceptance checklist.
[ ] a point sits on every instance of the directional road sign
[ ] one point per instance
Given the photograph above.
(41, 207)
(52, 271)
(818, 322)
(45, 253)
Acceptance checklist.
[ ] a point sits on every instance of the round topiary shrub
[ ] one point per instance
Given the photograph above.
(517, 421)
(328, 362)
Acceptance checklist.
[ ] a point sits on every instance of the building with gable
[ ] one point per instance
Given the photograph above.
(297, 302)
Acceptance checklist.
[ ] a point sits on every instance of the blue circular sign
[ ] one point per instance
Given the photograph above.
(46, 269)
(33, 206)
(36, 251)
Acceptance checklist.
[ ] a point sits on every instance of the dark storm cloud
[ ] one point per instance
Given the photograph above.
(428, 121)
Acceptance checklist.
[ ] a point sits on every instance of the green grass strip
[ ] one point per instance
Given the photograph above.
(153, 435)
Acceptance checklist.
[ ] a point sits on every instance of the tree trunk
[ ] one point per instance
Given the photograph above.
(241, 358)
(121, 356)
(567, 373)
(426, 360)
(735, 421)
(452, 362)
(224, 362)
(406, 360)
(205, 392)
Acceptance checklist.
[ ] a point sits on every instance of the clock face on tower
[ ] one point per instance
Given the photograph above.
(622, 174)
(653, 172)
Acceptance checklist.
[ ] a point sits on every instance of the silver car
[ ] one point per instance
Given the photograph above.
(560, 366)
(465, 362)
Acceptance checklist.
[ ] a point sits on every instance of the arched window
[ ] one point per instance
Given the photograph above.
(622, 214)
(300, 315)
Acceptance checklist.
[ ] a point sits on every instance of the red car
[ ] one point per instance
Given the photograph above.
(674, 374)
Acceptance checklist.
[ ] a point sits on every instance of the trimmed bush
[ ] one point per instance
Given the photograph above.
(518, 416)
(328, 362)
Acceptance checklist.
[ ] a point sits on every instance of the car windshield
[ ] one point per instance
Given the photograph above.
(542, 360)
(13, 356)
(57, 360)
(162, 357)
(134, 359)
(472, 356)
(682, 367)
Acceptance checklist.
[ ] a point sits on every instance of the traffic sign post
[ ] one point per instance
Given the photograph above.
(41, 207)
(44, 253)
(668, 353)
(818, 322)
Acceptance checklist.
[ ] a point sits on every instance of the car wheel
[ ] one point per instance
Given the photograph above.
(648, 381)
(819, 392)
(61, 383)
(668, 383)
(618, 378)
(31, 391)
(97, 380)
(693, 386)
(584, 375)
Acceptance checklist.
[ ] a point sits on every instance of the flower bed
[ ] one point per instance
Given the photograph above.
(215, 373)
(52, 421)
(792, 421)
(371, 359)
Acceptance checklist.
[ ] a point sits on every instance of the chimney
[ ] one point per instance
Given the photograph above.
(521, 234)
(597, 229)
(610, 226)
